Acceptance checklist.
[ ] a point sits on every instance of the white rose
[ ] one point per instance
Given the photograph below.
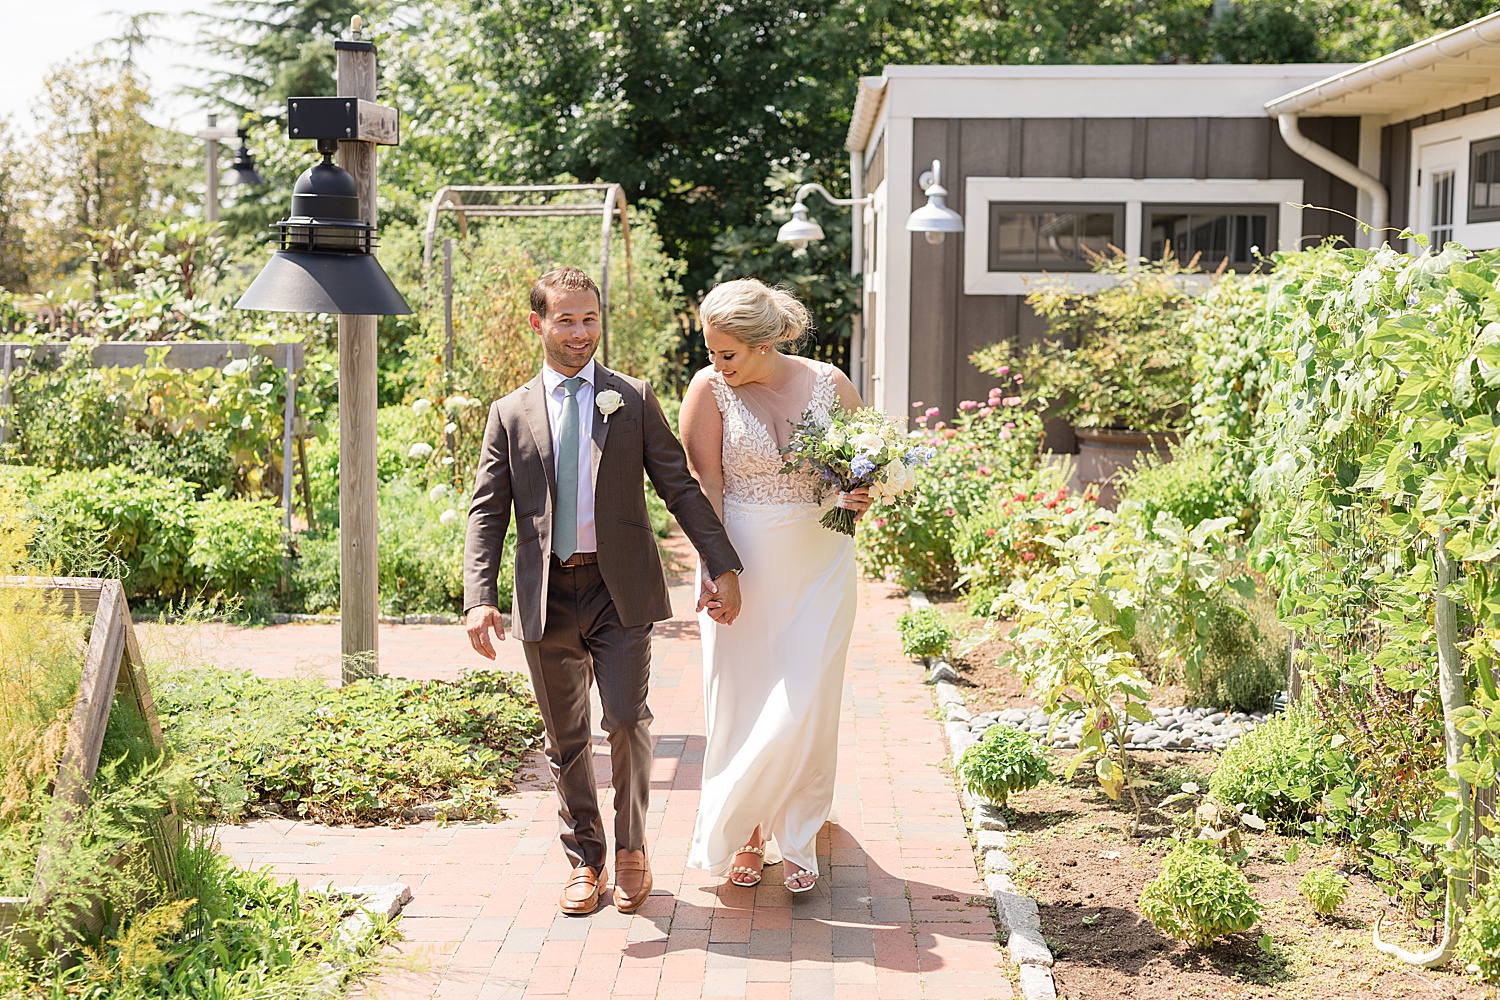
(608, 402)
(836, 436)
(448, 518)
(868, 442)
(420, 450)
(421, 406)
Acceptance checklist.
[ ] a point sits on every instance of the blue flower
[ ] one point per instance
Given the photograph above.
(862, 466)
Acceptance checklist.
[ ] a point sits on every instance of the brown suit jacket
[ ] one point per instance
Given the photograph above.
(517, 467)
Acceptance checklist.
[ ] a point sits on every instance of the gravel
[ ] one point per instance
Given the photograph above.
(1180, 728)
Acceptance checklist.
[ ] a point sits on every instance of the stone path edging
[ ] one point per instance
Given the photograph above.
(1015, 912)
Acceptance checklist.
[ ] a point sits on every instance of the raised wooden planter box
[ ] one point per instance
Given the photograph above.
(111, 666)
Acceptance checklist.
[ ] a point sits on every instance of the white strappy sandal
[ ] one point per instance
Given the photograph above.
(746, 870)
(799, 876)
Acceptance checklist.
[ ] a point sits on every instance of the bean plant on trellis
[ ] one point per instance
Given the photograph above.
(1381, 520)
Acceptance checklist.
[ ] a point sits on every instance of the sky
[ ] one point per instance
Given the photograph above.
(38, 34)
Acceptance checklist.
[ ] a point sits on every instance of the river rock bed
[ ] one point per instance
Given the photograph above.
(1180, 728)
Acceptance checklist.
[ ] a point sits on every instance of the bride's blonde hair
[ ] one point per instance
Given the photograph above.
(754, 313)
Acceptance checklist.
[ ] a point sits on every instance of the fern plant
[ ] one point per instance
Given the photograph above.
(1004, 762)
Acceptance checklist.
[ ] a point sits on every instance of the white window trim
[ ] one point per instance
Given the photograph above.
(1469, 129)
(980, 191)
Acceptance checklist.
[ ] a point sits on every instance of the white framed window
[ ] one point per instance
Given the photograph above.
(988, 200)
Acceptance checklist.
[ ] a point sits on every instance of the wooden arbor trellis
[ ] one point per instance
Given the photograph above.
(529, 201)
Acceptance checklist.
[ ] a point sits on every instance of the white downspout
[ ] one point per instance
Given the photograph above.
(857, 265)
(1380, 201)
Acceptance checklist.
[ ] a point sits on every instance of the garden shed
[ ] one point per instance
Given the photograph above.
(1046, 163)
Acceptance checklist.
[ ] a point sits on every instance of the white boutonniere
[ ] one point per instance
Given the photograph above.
(608, 402)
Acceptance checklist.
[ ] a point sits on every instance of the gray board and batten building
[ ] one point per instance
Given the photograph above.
(1047, 162)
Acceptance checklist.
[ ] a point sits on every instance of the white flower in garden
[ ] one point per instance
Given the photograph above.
(421, 406)
(420, 450)
(867, 441)
(455, 403)
(448, 518)
(608, 402)
(449, 427)
(437, 493)
(237, 367)
(448, 460)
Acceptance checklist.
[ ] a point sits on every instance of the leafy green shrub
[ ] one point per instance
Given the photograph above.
(924, 632)
(994, 442)
(1479, 934)
(1283, 768)
(420, 554)
(1006, 760)
(1119, 357)
(1195, 484)
(363, 752)
(1243, 661)
(1017, 532)
(1198, 897)
(1325, 889)
(237, 546)
(147, 524)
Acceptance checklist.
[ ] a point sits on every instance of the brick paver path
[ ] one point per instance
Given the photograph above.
(899, 913)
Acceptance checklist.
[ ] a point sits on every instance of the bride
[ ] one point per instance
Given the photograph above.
(772, 682)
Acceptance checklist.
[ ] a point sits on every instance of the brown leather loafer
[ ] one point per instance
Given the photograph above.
(632, 880)
(580, 896)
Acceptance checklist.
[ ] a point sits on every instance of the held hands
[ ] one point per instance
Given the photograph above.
(479, 621)
(720, 597)
(857, 500)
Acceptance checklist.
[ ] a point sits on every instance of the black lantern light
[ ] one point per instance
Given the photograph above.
(242, 171)
(326, 262)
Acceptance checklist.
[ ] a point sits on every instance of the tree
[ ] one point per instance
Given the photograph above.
(14, 263)
(96, 162)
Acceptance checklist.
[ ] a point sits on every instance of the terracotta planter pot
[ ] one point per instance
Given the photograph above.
(1105, 453)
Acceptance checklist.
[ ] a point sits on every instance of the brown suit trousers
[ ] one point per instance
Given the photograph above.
(589, 623)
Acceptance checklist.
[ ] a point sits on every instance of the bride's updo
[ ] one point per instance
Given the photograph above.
(755, 314)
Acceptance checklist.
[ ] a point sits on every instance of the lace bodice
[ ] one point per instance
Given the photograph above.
(752, 463)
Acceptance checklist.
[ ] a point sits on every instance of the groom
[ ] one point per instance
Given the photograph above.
(568, 450)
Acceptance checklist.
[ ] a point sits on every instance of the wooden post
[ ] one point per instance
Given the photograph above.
(358, 560)
(211, 204)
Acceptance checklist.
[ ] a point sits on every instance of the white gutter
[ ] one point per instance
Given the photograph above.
(867, 100)
(1423, 55)
(1380, 201)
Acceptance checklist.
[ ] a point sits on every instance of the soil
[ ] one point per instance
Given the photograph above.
(1076, 855)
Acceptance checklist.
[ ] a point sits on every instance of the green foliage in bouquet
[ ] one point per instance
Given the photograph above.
(1324, 889)
(1119, 357)
(986, 445)
(924, 632)
(1199, 896)
(851, 449)
(1005, 761)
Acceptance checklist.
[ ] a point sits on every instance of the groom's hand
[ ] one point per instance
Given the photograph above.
(479, 621)
(727, 597)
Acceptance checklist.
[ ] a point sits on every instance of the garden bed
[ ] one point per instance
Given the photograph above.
(1074, 854)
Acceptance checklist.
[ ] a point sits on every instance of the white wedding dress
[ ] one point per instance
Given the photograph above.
(773, 681)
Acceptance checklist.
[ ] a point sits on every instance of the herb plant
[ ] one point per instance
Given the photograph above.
(1479, 935)
(1324, 889)
(924, 632)
(1283, 768)
(1199, 897)
(1005, 761)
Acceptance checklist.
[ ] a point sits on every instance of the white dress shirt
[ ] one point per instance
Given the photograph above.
(552, 380)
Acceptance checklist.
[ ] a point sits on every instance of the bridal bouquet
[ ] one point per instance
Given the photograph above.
(855, 448)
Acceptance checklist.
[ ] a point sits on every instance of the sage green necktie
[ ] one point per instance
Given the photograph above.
(565, 517)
